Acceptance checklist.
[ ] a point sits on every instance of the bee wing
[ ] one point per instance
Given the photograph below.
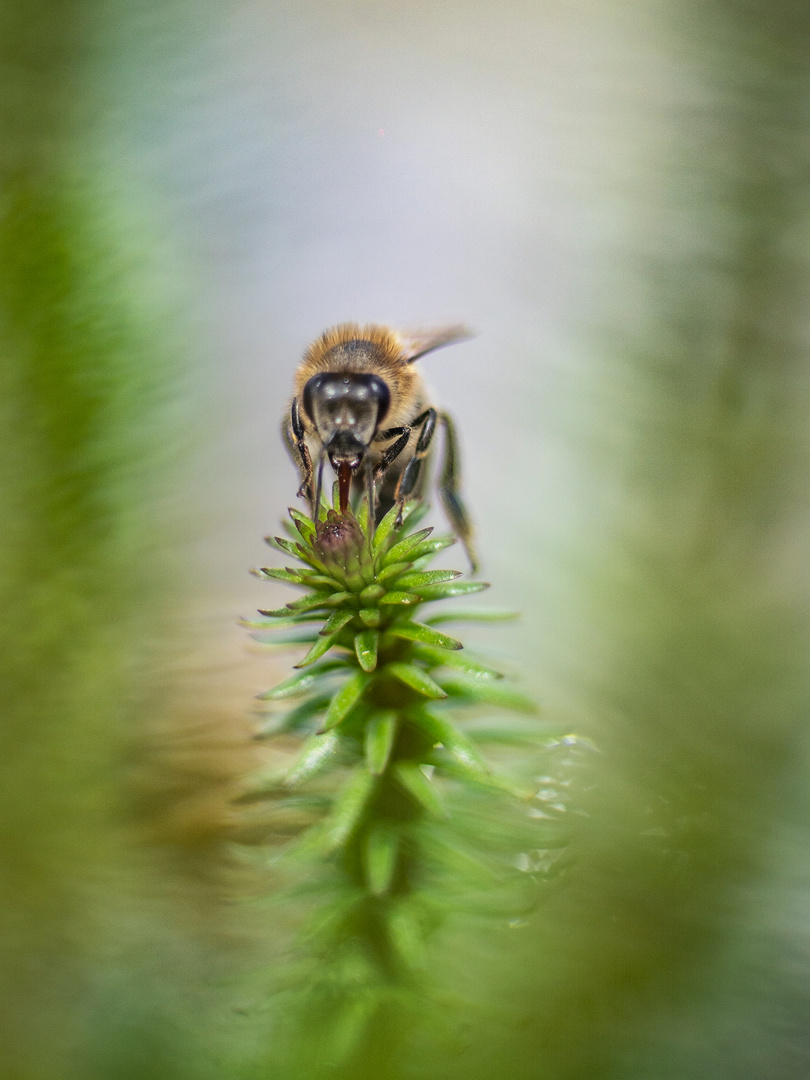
(416, 343)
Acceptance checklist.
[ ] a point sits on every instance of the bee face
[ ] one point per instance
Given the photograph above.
(359, 402)
(346, 409)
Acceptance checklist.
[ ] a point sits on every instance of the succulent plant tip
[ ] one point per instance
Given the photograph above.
(338, 538)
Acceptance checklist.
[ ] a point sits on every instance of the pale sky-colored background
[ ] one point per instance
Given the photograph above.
(416, 165)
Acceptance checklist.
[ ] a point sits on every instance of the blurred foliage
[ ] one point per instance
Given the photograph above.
(86, 379)
(688, 661)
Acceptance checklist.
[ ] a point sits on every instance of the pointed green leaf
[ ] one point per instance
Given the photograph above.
(274, 637)
(283, 618)
(417, 785)
(419, 565)
(351, 566)
(354, 582)
(413, 512)
(294, 719)
(416, 678)
(345, 699)
(365, 645)
(443, 731)
(322, 645)
(452, 588)
(263, 573)
(310, 601)
(458, 661)
(380, 734)
(473, 615)
(305, 525)
(294, 577)
(315, 753)
(287, 546)
(316, 580)
(417, 579)
(279, 622)
(370, 594)
(400, 550)
(289, 529)
(348, 810)
(298, 551)
(362, 516)
(464, 860)
(336, 621)
(489, 692)
(367, 572)
(414, 631)
(384, 530)
(299, 684)
(507, 735)
(432, 546)
(392, 571)
(380, 857)
(399, 598)
(370, 616)
(470, 773)
(318, 600)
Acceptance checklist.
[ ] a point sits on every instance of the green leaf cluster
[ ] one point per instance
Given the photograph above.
(373, 698)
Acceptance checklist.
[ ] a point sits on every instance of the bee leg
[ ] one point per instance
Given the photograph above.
(409, 480)
(293, 431)
(381, 486)
(371, 498)
(394, 450)
(449, 491)
(316, 506)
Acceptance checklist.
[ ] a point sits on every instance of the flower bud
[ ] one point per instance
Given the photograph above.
(338, 540)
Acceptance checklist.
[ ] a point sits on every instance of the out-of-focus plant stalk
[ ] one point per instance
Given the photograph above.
(688, 656)
(84, 373)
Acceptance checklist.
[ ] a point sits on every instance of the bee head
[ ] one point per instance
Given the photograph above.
(346, 410)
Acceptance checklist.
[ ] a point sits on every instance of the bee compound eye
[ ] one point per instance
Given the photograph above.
(311, 390)
(325, 390)
(381, 394)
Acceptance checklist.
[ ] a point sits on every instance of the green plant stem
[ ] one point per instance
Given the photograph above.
(376, 684)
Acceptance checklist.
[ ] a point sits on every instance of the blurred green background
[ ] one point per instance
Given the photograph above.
(615, 195)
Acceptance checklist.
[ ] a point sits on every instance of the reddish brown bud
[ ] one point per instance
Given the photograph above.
(338, 538)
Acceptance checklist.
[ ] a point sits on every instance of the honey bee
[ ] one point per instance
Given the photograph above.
(359, 402)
